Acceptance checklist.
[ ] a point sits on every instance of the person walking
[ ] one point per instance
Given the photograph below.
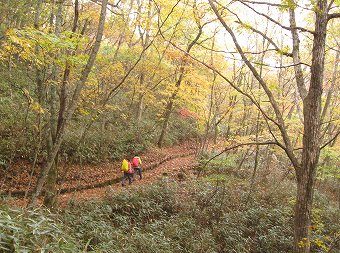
(127, 172)
(137, 166)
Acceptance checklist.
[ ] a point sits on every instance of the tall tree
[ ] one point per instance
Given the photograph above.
(72, 105)
(306, 166)
(181, 73)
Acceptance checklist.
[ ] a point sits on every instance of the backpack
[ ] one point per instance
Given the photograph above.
(130, 170)
(125, 165)
(135, 162)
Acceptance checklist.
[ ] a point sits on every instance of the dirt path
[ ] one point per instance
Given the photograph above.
(16, 180)
(92, 181)
(175, 169)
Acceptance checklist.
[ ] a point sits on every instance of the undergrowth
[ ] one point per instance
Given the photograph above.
(212, 214)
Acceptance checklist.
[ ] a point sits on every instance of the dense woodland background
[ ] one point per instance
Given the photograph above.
(253, 86)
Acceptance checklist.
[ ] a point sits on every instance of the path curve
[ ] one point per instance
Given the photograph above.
(179, 168)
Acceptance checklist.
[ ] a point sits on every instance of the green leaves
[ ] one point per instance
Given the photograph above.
(288, 4)
(32, 231)
(330, 162)
(39, 47)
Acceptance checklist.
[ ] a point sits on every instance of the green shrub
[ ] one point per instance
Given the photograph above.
(32, 231)
(193, 217)
(160, 218)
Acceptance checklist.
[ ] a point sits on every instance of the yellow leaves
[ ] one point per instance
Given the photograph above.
(320, 243)
(27, 95)
(111, 107)
(287, 4)
(110, 72)
(91, 12)
(39, 47)
(284, 50)
(303, 243)
(273, 85)
(174, 55)
(17, 44)
(33, 105)
(124, 116)
(83, 111)
(35, 128)
(246, 26)
(36, 107)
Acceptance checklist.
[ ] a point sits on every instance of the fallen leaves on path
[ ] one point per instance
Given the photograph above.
(176, 169)
(88, 175)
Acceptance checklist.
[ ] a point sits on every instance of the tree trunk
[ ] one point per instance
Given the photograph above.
(331, 88)
(303, 210)
(311, 137)
(140, 105)
(72, 107)
(169, 106)
(167, 114)
(50, 194)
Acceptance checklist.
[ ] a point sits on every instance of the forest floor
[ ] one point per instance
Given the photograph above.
(175, 163)
(179, 168)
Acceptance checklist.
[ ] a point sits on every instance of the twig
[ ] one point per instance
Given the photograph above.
(328, 142)
(240, 145)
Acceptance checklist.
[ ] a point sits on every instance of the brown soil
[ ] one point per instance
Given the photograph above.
(88, 175)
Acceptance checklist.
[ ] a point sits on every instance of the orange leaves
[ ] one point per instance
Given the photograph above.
(176, 57)
(185, 113)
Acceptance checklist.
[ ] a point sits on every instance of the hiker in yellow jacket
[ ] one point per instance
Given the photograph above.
(127, 172)
(137, 166)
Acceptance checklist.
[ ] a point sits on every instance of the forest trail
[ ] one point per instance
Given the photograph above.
(179, 168)
(91, 181)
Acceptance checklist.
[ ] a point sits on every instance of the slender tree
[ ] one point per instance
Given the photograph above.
(72, 105)
(306, 166)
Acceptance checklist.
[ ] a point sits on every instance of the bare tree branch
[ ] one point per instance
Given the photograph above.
(331, 89)
(276, 48)
(253, 53)
(265, 115)
(330, 5)
(296, 56)
(302, 29)
(262, 34)
(273, 102)
(237, 146)
(331, 140)
(333, 15)
(231, 84)
(265, 3)
(108, 4)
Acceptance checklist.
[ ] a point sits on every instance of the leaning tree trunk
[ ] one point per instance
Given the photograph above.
(167, 114)
(72, 107)
(311, 137)
(170, 104)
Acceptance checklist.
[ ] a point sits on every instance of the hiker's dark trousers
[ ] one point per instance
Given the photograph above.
(138, 171)
(127, 176)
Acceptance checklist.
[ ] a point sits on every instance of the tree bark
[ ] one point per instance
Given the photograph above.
(73, 104)
(170, 104)
(50, 194)
(331, 88)
(140, 105)
(296, 56)
(305, 168)
(311, 137)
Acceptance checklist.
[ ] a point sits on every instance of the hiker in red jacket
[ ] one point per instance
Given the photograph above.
(137, 166)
